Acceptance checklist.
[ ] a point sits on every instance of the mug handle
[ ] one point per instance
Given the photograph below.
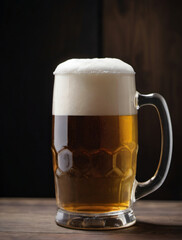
(142, 189)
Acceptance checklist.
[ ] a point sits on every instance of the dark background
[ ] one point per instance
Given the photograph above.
(37, 35)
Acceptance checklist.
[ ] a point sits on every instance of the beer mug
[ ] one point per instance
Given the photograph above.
(95, 143)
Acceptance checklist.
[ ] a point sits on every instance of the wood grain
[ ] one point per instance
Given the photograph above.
(34, 219)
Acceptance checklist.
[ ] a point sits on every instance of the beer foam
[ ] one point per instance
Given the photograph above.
(94, 87)
(95, 65)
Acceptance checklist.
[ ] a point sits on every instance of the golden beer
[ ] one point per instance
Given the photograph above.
(94, 160)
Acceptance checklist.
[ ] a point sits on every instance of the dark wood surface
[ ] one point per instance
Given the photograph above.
(34, 219)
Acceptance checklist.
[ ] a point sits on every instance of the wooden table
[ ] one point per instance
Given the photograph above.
(34, 219)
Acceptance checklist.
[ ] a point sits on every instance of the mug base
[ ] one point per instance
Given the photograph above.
(91, 221)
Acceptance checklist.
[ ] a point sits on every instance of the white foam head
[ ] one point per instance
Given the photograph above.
(104, 86)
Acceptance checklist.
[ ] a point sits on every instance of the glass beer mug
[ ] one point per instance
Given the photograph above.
(95, 143)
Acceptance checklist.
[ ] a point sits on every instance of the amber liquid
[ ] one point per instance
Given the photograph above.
(94, 161)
